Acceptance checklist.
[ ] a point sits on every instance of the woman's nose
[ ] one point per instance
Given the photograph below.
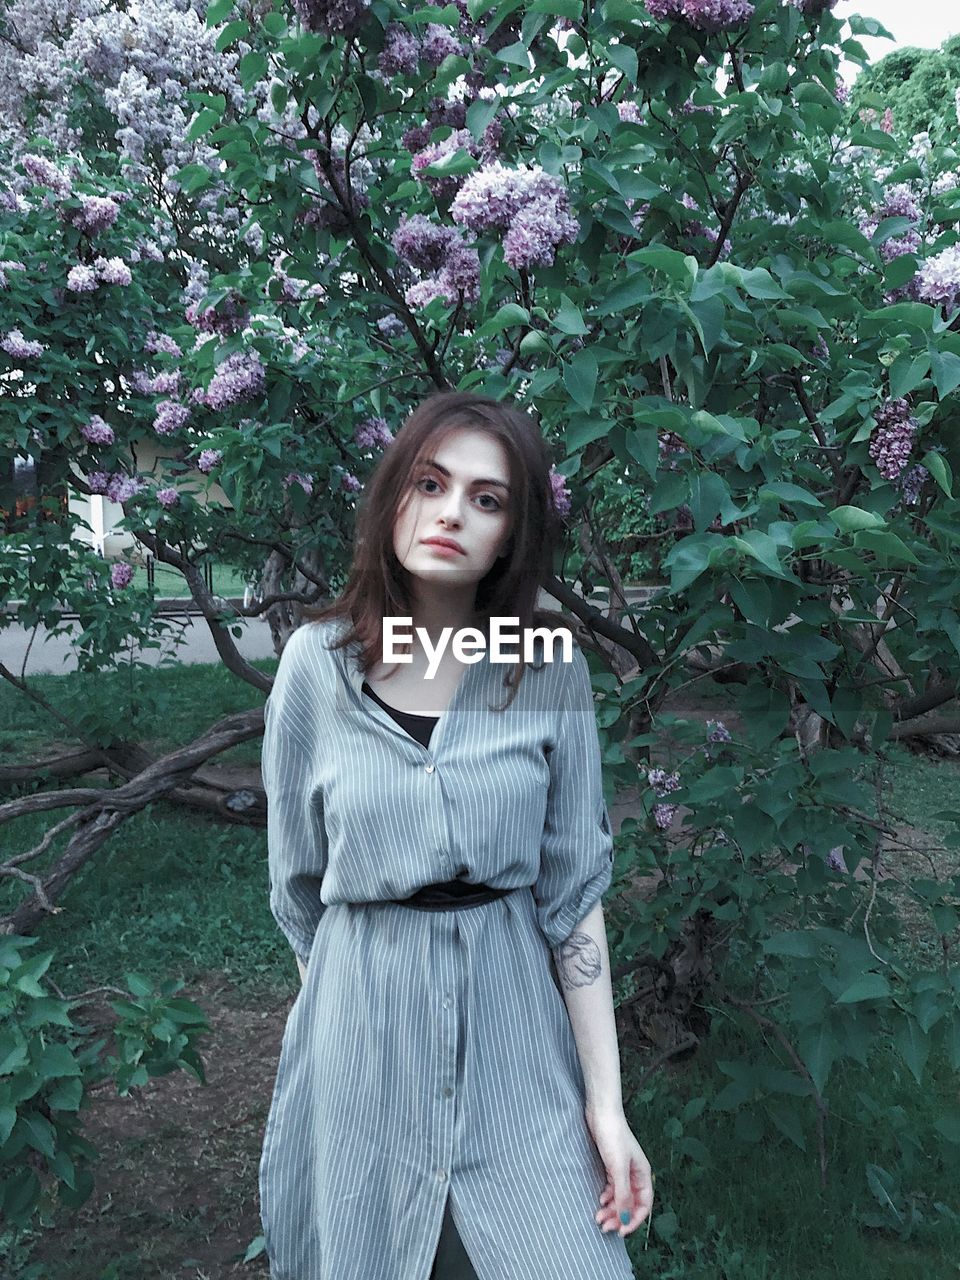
(452, 508)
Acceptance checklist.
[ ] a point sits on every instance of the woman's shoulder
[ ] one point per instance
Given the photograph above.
(307, 646)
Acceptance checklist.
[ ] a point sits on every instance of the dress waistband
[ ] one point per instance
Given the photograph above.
(450, 895)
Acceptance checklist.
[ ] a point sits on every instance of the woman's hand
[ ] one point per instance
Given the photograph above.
(629, 1186)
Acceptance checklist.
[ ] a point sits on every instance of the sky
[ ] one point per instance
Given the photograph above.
(923, 23)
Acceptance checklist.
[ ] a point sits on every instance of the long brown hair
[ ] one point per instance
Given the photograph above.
(377, 584)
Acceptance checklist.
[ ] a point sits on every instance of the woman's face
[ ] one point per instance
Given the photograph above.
(462, 494)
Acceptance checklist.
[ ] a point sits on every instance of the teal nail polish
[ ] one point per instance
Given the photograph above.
(624, 1216)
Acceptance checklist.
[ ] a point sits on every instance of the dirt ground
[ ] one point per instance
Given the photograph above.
(176, 1186)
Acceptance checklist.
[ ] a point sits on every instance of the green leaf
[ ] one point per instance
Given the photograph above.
(454, 162)
(205, 120)
(939, 468)
(232, 31)
(217, 11)
(817, 1046)
(946, 371)
(624, 297)
(510, 313)
(568, 318)
(913, 1046)
(580, 377)
(849, 519)
(679, 267)
(517, 55)
(252, 67)
(907, 372)
(624, 58)
(759, 283)
(885, 544)
(869, 986)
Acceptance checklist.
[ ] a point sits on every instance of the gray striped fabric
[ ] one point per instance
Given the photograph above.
(430, 1053)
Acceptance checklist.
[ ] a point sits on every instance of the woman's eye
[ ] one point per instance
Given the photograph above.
(496, 502)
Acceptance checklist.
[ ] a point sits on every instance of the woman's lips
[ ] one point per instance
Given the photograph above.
(442, 549)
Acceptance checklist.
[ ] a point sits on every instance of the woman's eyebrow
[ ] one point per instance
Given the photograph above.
(432, 462)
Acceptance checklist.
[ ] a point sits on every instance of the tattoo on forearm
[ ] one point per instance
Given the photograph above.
(578, 961)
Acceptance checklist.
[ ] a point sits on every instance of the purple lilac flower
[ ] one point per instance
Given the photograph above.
(46, 174)
(161, 342)
(560, 493)
(391, 326)
(438, 43)
(8, 264)
(443, 188)
(911, 482)
(168, 497)
(142, 380)
(20, 348)
(81, 279)
(209, 458)
(333, 17)
(422, 243)
(441, 111)
(166, 382)
(240, 377)
(112, 271)
(629, 111)
(96, 214)
(892, 439)
(296, 477)
(704, 15)
(416, 137)
(373, 433)
(530, 205)
(938, 279)
(227, 317)
(835, 860)
(898, 202)
(668, 442)
(663, 783)
(97, 431)
(121, 573)
(121, 488)
(349, 483)
(98, 481)
(842, 93)
(718, 731)
(536, 231)
(820, 350)
(170, 417)
(401, 51)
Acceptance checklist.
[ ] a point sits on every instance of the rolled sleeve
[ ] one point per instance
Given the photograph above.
(576, 852)
(296, 838)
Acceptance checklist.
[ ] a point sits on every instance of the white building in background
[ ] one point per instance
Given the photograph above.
(99, 515)
(94, 518)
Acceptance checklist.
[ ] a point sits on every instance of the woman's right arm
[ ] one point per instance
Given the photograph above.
(303, 969)
(296, 837)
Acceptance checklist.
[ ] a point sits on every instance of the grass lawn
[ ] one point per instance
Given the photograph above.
(178, 894)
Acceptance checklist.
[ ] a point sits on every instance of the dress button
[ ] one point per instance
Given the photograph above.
(448, 1092)
(441, 1175)
(446, 1002)
(428, 768)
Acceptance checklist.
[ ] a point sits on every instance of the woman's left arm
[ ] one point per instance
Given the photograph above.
(583, 969)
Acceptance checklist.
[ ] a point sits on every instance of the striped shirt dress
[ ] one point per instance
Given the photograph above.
(428, 1061)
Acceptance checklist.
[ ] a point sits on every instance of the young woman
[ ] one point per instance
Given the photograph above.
(431, 845)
